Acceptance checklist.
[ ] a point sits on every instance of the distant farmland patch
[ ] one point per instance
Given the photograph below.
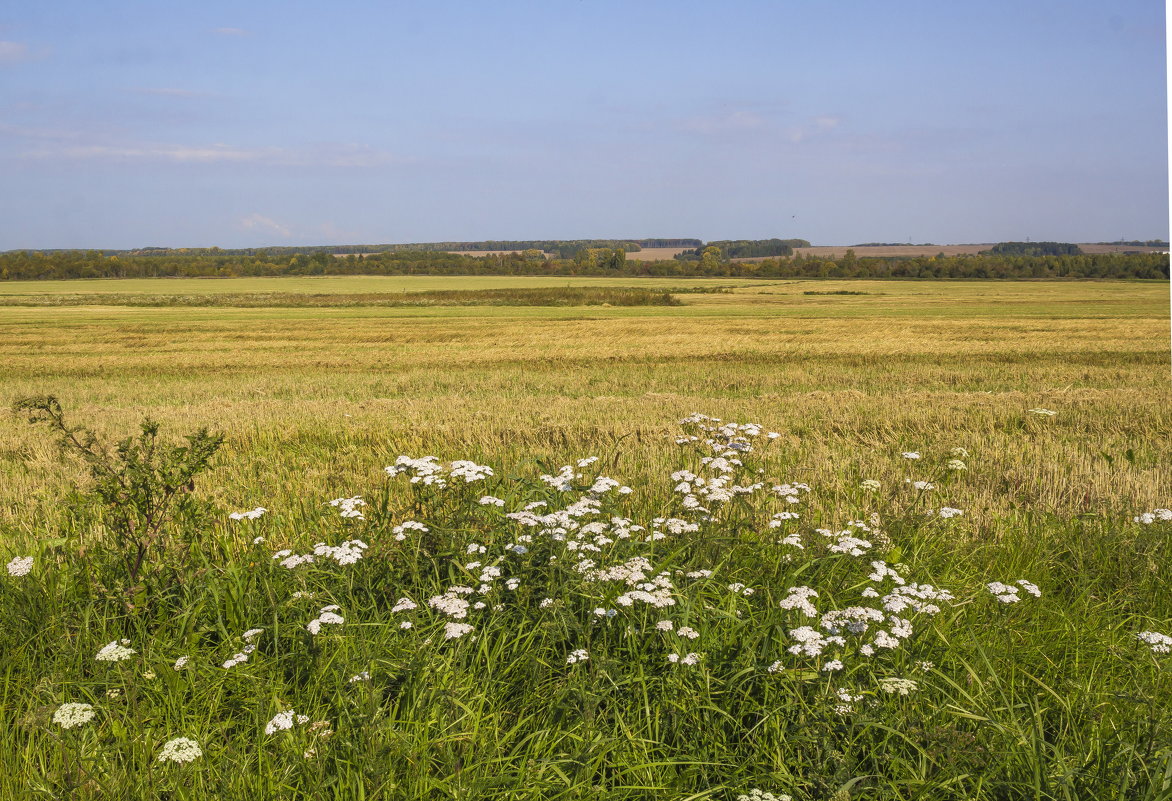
(516, 296)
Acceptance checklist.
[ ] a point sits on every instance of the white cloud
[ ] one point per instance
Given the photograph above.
(230, 31)
(167, 91)
(326, 155)
(13, 52)
(724, 123)
(822, 124)
(259, 222)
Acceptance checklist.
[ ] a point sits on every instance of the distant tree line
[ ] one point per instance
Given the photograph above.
(1035, 249)
(746, 248)
(39, 265)
(1146, 243)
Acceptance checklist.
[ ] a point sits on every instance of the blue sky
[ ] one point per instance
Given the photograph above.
(128, 124)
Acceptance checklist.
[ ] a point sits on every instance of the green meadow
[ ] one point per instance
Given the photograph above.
(957, 691)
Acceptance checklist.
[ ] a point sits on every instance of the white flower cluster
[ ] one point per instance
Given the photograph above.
(115, 652)
(1159, 643)
(349, 507)
(429, 472)
(1043, 412)
(180, 750)
(799, 598)
(252, 514)
(687, 659)
(947, 512)
(402, 531)
(489, 500)
(580, 655)
(1147, 518)
(20, 566)
(237, 658)
(290, 560)
(911, 455)
(347, 553)
(869, 485)
(451, 603)
(955, 465)
(454, 631)
(327, 616)
(1008, 593)
(761, 795)
(283, 721)
(70, 716)
(898, 686)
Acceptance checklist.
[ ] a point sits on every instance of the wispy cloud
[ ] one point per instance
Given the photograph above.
(259, 222)
(168, 91)
(741, 120)
(821, 124)
(230, 31)
(66, 146)
(14, 52)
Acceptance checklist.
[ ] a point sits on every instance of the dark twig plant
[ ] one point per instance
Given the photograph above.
(141, 484)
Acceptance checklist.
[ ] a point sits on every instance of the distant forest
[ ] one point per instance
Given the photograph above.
(746, 248)
(212, 263)
(562, 248)
(1035, 249)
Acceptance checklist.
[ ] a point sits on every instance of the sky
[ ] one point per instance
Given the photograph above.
(248, 123)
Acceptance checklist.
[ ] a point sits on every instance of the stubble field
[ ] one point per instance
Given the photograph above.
(1042, 697)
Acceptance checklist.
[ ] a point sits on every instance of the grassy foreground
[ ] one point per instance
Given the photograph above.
(1050, 697)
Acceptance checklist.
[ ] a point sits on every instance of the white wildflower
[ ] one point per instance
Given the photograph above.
(181, 750)
(1159, 643)
(453, 631)
(897, 686)
(250, 515)
(115, 652)
(580, 655)
(20, 566)
(72, 715)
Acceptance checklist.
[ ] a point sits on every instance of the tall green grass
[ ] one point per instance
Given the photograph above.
(1048, 698)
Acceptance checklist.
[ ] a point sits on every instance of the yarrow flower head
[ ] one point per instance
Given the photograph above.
(869, 485)
(910, 454)
(1159, 643)
(1043, 412)
(70, 716)
(454, 631)
(956, 464)
(181, 750)
(1008, 593)
(20, 566)
(252, 514)
(761, 795)
(115, 652)
(897, 686)
(283, 721)
(1147, 518)
(579, 655)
